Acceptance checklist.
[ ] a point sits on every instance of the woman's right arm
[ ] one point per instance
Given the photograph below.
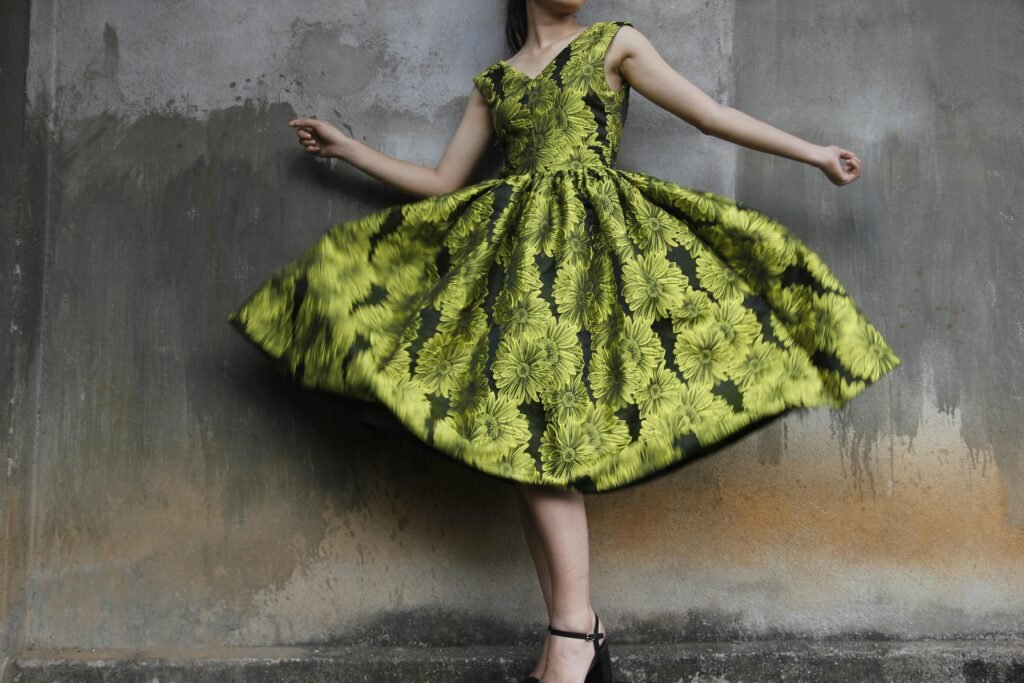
(460, 157)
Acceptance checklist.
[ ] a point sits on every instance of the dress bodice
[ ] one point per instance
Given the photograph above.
(566, 117)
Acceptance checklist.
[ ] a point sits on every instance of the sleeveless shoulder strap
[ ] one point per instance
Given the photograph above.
(484, 82)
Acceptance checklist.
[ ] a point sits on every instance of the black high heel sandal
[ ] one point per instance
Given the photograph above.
(600, 669)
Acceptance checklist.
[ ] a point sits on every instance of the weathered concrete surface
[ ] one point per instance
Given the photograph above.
(23, 205)
(165, 488)
(987, 661)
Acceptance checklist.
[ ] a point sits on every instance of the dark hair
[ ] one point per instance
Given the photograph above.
(515, 25)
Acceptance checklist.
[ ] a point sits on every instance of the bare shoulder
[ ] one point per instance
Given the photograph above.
(628, 41)
(627, 44)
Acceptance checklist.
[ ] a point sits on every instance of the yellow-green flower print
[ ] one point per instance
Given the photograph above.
(539, 228)
(442, 363)
(651, 285)
(795, 307)
(567, 400)
(542, 97)
(822, 273)
(570, 293)
(541, 143)
(562, 351)
(337, 294)
(577, 158)
(704, 355)
(522, 314)
(520, 369)
(565, 451)
(777, 244)
(594, 38)
(510, 117)
(613, 377)
(602, 302)
(614, 123)
(694, 407)
(699, 206)
(521, 272)
(472, 219)
(572, 118)
(862, 349)
(739, 325)
(498, 424)
(606, 432)
(692, 309)
(604, 197)
(653, 229)
(474, 390)
(832, 313)
(407, 398)
(425, 212)
(585, 71)
(567, 323)
(406, 261)
(575, 247)
(518, 90)
(718, 278)
(391, 360)
(451, 435)
(607, 330)
(659, 392)
(640, 345)
(516, 464)
(800, 382)
(756, 263)
(465, 325)
(757, 364)
(486, 87)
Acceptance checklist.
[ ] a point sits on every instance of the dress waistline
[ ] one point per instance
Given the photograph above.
(507, 171)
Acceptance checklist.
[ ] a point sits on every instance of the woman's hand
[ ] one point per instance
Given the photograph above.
(840, 165)
(321, 138)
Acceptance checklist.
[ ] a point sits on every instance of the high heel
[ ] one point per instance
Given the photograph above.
(600, 669)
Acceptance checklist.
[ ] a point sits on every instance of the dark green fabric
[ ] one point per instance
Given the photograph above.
(568, 323)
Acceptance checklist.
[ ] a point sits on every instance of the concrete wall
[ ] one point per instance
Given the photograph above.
(164, 487)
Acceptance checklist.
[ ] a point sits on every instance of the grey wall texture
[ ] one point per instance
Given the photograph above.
(162, 486)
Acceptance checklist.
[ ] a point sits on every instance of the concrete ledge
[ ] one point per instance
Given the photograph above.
(719, 662)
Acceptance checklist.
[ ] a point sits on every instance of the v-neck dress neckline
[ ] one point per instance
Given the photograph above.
(553, 59)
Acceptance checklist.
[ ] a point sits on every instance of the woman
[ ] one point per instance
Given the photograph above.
(568, 326)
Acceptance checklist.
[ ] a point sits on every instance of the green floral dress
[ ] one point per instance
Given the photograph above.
(568, 323)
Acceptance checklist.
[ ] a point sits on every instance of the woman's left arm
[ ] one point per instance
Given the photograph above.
(639, 63)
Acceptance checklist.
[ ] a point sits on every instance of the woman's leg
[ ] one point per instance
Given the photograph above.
(560, 520)
(540, 563)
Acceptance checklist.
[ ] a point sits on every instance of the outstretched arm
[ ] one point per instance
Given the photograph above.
(460, 157)
(633, 56)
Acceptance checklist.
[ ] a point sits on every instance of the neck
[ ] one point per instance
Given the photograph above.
(548, 29)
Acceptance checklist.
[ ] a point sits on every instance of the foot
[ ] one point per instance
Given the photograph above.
(568, 658)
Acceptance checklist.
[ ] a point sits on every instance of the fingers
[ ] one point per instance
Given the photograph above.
(852, 159)
(305, 123)
(309, 141)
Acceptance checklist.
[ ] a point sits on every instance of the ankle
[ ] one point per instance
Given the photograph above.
(580, 621)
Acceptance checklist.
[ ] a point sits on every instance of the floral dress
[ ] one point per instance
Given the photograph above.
(568, 323)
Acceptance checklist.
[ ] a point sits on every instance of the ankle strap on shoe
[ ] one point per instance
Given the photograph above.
(576, 634)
